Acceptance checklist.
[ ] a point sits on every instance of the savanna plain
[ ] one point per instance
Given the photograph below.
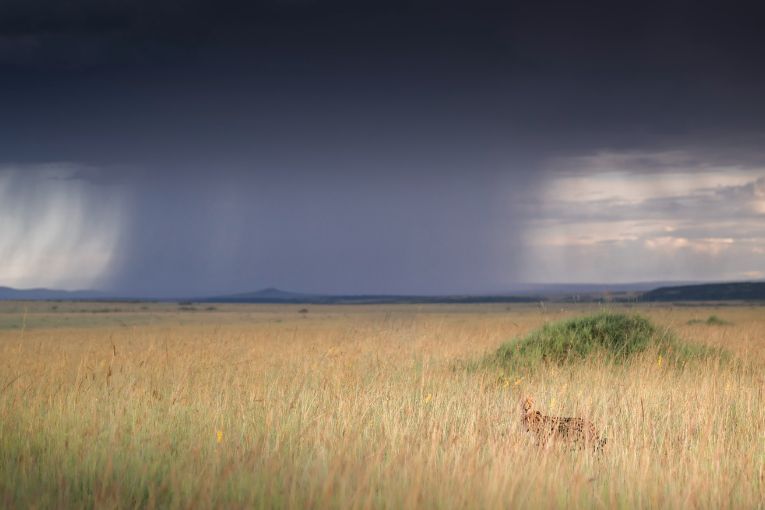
(125, 405)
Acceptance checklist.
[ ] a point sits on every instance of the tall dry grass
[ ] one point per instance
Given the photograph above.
(368, 407)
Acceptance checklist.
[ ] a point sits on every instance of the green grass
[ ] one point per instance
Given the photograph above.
(613, 337)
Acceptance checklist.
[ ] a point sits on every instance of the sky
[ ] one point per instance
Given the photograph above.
(168, 148)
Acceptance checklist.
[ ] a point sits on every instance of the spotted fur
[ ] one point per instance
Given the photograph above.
(576, 432)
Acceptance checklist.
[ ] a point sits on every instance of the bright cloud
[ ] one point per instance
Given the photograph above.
(641, 216)
(710, 246)
(55, 232)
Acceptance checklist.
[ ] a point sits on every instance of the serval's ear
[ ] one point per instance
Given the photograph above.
(527, 404)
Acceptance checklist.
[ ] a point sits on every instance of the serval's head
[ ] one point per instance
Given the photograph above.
(527, 406)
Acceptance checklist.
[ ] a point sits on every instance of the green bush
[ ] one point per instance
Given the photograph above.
(611, 336)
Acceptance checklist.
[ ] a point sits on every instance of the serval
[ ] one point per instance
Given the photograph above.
(576, 432)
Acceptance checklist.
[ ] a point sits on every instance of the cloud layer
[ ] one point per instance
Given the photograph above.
(613, 220)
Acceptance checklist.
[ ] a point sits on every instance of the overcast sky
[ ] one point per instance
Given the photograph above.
(166, 148)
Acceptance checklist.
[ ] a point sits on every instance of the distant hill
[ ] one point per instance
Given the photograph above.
(10, 294)
(270, 294)
(568, 289)
(740, 291)
(274, 295)
(590, 292)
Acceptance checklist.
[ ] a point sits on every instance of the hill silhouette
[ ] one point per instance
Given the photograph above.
(274, 295)
(43, 294)
(732, 291)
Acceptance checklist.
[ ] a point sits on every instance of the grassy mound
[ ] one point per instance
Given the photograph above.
(610, 336)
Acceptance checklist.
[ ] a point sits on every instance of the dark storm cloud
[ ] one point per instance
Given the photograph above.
(362, 146)
(549, 77)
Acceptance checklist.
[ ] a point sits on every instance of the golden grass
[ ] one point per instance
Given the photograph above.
(367, 407)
